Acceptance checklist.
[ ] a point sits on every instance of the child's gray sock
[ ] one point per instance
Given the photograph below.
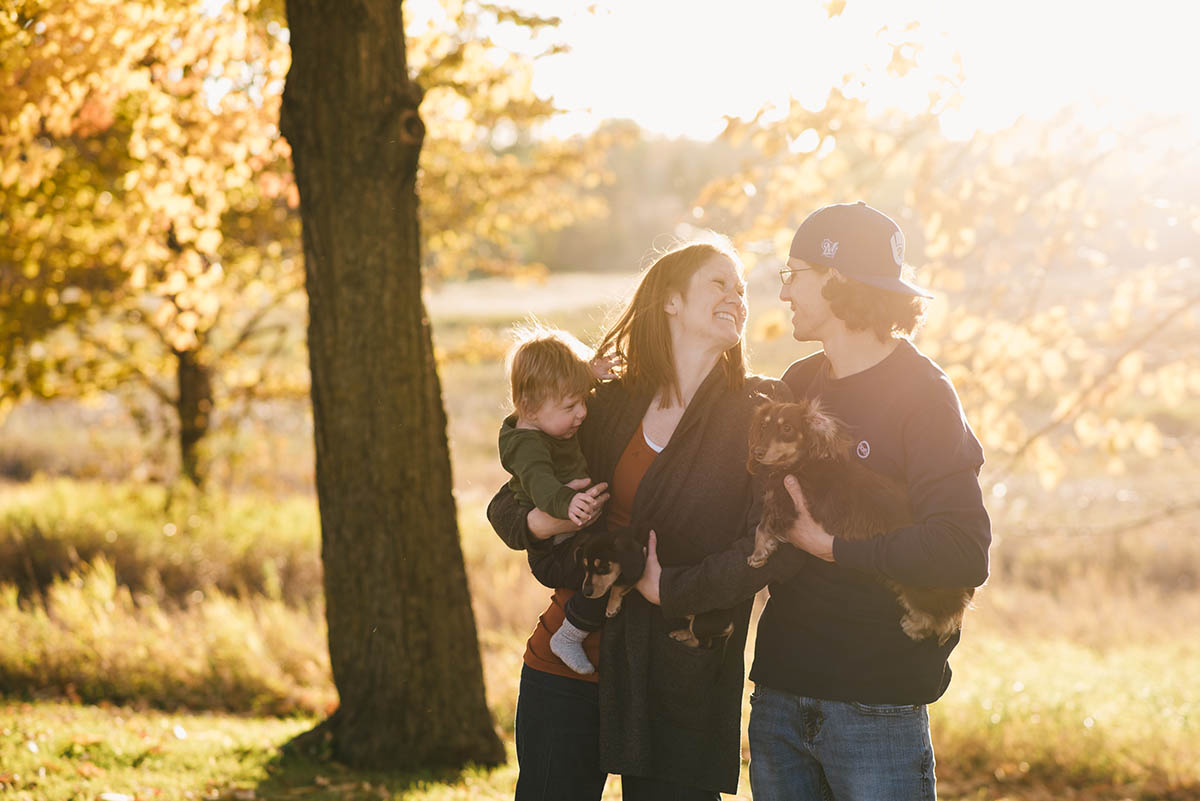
(567, 645)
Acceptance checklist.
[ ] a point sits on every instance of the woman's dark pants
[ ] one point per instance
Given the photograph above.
(558, 746)
(558, 738)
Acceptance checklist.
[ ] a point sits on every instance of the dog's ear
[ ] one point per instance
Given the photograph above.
(829, 440)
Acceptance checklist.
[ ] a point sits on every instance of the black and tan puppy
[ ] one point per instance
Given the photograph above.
(613, 561)
(846, 497)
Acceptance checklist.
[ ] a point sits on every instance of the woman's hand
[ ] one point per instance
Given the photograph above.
(542, 526)
(807, 534)
(647, 585)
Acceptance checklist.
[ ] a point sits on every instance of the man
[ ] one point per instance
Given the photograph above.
(839, 706)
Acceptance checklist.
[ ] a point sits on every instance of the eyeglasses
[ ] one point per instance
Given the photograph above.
(785, 275)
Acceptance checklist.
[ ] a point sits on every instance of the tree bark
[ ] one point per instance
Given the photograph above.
(194, 406)
(402, 636)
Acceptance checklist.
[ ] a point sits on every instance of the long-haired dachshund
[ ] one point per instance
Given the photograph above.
(613, 561)
(846, 497)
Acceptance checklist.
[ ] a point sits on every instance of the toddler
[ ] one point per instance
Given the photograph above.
(550, 384)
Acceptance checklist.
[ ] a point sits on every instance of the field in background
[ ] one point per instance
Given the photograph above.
(1075, 677)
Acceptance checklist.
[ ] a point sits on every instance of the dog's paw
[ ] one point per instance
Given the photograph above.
(685, 637)
(757, 559)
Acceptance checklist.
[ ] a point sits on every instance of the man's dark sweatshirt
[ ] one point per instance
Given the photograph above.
(832, 630)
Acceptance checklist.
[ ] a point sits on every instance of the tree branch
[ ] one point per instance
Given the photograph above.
(251, 328)
(1133, 524)
(1101, 378)
(122, 359)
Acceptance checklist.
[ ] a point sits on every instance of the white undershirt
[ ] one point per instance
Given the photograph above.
(650, 442)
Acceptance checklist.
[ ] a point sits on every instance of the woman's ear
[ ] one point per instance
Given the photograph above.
(674, 301)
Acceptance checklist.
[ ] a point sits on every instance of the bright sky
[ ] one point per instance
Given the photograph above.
(678, 66)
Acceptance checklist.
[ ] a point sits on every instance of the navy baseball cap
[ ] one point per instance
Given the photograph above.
(860, 242)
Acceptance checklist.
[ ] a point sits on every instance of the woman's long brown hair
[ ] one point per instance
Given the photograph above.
(641, 336)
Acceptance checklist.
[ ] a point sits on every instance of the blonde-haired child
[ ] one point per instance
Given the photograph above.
(551, 377)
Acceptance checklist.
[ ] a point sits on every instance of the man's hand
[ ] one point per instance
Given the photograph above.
(647, 585)
(807, 534)
(542, 526)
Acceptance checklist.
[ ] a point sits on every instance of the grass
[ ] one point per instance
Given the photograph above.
(87, 638)
(1054, 714)
(168, 546)
(64, 751)
(1081, 685)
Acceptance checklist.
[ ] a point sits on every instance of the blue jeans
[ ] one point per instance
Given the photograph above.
(815, 750)
(558, 746)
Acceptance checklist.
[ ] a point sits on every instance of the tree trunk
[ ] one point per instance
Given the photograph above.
(194, 406)
(402, 637)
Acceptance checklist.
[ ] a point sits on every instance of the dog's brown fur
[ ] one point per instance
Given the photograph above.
(613, 561)
(846, 497)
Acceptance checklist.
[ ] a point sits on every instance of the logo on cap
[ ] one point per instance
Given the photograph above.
(863, 450)
(829, 248)
(898, 248)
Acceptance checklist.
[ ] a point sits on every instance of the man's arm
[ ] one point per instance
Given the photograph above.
(948, 547)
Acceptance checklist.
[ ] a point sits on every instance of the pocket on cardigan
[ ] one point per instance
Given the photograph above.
(683, 682)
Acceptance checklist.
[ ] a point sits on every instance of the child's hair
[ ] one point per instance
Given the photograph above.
(547, 364)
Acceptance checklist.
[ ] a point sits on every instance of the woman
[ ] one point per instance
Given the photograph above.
(669, 438)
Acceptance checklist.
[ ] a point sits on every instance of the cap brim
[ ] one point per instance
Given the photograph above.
(892, 284)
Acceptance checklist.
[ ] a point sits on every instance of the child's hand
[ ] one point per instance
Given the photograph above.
(585, 506)
(580, 510)
(602, 366)
(542, 526)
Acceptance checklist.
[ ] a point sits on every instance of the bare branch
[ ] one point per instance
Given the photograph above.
(1133, 524)
(1102, 377)
(123, 359)
(252, 326)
